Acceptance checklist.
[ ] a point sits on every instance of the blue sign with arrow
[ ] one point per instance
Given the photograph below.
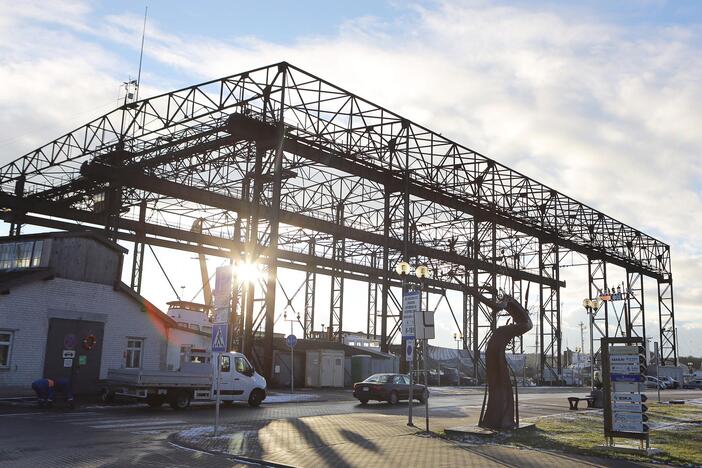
(292, 340)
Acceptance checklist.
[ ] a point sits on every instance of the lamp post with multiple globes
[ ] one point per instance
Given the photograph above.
(403, 269)
(591, 306)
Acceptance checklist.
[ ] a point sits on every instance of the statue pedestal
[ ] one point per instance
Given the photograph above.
(461, 432)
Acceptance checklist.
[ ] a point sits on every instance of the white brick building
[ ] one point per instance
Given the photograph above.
(65, 312)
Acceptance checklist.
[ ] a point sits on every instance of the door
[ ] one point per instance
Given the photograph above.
(327, 374)
(74, 351)
(230, 385)
(401, 386)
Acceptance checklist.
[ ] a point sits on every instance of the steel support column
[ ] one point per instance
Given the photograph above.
(138, 253)
(385, 292)
(597, 282)
(666, 318)
(549, 315)
(16, 220)
(310, 295)
(371, 330)
(336, 302)
(636, 317)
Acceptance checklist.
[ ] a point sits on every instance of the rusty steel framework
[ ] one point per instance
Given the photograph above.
(288, 170)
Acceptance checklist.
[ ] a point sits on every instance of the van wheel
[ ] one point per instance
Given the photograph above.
(255, 398)
(180, 400)
(155, 401)
(106, 396)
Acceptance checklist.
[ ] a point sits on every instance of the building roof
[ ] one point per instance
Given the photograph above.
(63, 234)
(13, 278)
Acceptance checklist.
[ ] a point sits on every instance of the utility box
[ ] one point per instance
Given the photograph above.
(324, 368)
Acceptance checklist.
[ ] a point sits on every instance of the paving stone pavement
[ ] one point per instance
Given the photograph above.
(366, 440)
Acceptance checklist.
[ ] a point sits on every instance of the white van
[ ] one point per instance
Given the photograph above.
(238, 381)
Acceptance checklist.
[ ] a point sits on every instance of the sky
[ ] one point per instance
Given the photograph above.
(600, 100)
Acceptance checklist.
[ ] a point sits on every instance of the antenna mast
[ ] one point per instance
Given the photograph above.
(141, 53)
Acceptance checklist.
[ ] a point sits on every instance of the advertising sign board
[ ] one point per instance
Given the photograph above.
(410, 307)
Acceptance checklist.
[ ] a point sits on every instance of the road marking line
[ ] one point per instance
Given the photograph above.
(112, 426)
(19, 414)
(102, 420)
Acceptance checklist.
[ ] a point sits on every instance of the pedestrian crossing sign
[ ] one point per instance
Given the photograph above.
(219, 337)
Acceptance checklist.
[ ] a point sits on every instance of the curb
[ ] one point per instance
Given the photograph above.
(175, 440)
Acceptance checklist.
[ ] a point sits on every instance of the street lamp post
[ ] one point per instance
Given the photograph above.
(457, 338)
(403, 269)
(422, 273)
(591, 307)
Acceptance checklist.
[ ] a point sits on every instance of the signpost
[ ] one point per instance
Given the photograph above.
(410, 307)
(624, 377)
(220, 337)
(292, 341)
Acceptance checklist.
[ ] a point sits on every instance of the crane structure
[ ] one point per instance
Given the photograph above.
(279, 167)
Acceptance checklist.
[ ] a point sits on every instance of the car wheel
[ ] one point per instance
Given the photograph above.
(363, 402)
(155, 401)
(393, 399)
(180, 400)
(255, 398)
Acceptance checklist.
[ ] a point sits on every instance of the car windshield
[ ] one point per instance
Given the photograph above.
(379, 378)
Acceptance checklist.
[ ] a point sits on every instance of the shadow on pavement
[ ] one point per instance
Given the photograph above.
(359, 440)
(327, 453)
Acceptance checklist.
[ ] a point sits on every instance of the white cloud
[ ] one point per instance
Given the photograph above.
(604, 112)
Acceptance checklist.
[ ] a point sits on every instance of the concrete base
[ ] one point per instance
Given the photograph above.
(477, 431)
(624, 449)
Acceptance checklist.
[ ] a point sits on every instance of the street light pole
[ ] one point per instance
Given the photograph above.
(591, 307)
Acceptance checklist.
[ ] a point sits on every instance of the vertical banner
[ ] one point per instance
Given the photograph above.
(223, 293)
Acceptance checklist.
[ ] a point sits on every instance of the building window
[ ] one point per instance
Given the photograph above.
(135, 346)
(26, 254)
(5, 348)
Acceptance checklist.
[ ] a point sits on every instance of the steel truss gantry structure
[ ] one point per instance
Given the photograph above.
(288, 170)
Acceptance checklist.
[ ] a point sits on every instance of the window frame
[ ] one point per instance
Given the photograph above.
(129, 352)
(225, 363)
(9, 344)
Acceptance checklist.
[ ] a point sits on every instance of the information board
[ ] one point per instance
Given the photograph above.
(624, 371)
(410, 307)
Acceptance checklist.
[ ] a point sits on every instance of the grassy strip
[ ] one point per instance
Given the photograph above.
(679, 438)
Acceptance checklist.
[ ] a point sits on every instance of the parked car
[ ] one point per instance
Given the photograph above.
(387, 387)
(436, 377)
(670, 382)
(652, 382)
(695, 384)
(451, 376)
(469, 381)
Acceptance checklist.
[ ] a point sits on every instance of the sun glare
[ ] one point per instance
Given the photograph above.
(248, 272)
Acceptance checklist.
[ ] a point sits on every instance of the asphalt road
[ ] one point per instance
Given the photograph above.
(135, 435)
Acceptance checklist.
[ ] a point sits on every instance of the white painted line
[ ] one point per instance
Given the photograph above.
(90, 414)
(143, 424)
(20, 414)
(102, 420)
